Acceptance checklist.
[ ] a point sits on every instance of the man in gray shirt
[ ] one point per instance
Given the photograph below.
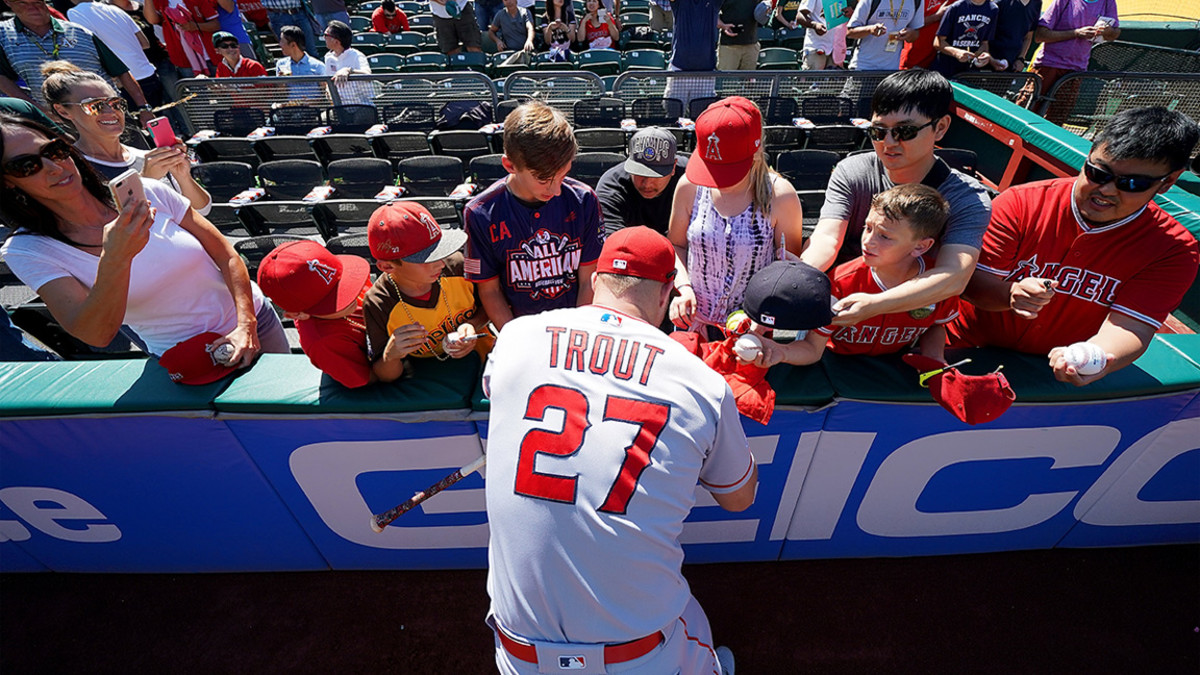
(512, 28)
(910, 112)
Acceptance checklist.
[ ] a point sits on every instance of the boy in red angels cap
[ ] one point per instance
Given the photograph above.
(323, 294)
(731, 217)
(421, 306)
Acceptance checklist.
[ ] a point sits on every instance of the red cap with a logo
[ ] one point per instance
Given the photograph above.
(407, 231)
(728, 133)
(303, 276)
(193, 361)
(638, 252)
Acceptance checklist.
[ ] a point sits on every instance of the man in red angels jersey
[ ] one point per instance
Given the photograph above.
(1088, 258)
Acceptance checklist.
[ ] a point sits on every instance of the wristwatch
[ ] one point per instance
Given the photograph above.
(146, 108)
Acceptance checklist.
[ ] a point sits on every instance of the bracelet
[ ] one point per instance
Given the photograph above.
(681, 286)
(147, 108)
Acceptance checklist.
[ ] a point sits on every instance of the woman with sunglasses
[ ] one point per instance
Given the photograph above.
(158, 267)
(731, 216)
(88, 103)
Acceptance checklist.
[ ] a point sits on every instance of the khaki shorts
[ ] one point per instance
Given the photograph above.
(462, 29)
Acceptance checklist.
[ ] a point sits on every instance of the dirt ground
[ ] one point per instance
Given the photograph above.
(1059, 611)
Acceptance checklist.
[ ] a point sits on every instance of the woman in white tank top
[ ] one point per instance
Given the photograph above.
(731, 216)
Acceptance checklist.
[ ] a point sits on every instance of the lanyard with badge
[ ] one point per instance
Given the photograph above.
(893, 44)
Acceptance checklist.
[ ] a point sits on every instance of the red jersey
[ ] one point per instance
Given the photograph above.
(886, 333)
(245, 68)
(381, 24)
(337, 347)
(1140, 266)
(200, 11)
(919, 53)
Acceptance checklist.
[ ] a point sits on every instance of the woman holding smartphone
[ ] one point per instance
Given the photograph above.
(559, 27)
(598, 30)
(89, 104)
(156, 266)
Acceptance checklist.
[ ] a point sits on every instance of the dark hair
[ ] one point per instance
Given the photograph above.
(922, 207)
(925, 91)
(568, 12)
(19, 210)
(341, 32)
(294, 35)
(388, 5)
(1155, 134)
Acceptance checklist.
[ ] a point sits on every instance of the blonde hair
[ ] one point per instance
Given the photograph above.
(63, 76)
(762, 184)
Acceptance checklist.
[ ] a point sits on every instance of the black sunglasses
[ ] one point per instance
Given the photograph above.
(229, 45)
(1124, 183)
(904, 132)
(24, 166)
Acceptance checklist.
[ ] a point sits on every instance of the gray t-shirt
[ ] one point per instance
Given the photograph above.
(857, 179)
(512, 29)
(873, 52)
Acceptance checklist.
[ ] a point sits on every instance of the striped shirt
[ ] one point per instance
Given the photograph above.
(22, 52)
(723, 253)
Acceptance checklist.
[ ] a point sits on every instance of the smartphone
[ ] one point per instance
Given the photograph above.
(160, 129)
(127, 190)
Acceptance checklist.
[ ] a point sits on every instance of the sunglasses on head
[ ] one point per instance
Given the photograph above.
(24, 166)
(904, 132)
(95, 106)
(1124, 183)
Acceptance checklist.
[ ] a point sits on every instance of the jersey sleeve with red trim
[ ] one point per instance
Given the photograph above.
(729, 464)
(1160, 284)
(1001, 241)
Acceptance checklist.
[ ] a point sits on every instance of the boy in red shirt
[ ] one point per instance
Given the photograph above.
(232, 64)
(323, 294)
(900, 230)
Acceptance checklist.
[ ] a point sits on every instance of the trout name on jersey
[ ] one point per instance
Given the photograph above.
(601, 354)
(546, 265)
(1074, 281)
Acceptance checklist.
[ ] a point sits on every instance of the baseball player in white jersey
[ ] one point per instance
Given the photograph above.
(601, 427)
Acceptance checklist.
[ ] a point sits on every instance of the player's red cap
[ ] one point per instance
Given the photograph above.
(303, 276)
(193, 361)
(728, 133)
(638, 252)
(407, 231)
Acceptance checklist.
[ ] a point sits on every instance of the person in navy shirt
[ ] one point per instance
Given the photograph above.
(533, 237)
(963, 38)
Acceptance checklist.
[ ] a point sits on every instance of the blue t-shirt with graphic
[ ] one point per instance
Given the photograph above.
(965, 25)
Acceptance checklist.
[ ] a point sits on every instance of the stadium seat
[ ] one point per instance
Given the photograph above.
(274, 148)
(291, 218)
(289, 179)
(238, 121)
(600, 140)
(778, 58)
(360, 177)
(474, 61)
(792, 39)
(590, 166)
(223, 180)
(360, 23)
(603, 112)
(660, 112)
(385, 63)
(957, 158)
(777, 110)
(398, 145)
(403, 44)
(447, 212)
(630, 19)
(825, 109)
(341, 146)
(351, 119)
(350, 244)
(503, 108)
(699, 105)
(225, 218)
(501, 69)
(295, 119)
(463, 144)
(369, 43)
(432, 176)
(424, 62)
(409, 116)
(599, 61)
(806, 169)
(779, 138)
(685, 139)
(339, 217)
(254, 249)
(227, 150)
(424, 22)
(768, 37)
(645, 59)
(485, 170)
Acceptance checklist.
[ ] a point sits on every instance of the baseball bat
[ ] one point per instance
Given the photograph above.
(382, 520)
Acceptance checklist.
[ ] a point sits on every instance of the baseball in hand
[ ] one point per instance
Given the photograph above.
(223, 354)
(1086, 358)
(748, 347)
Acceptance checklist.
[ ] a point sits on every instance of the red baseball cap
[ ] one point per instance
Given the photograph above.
(303, 276)
(728, 133)
(638, 252)
(407, 231)
(193, 362)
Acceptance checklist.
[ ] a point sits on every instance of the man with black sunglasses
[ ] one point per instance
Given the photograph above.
(1088, 258)
(910, 112)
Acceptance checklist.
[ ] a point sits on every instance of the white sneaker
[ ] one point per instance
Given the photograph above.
(725, 658)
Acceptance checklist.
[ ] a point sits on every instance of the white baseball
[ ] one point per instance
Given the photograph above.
(1086, 358)
(223, 353)
(747, 347)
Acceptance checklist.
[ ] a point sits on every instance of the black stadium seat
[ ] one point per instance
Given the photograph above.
(289, 179)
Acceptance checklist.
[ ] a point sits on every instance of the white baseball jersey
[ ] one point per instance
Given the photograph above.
(601, 426)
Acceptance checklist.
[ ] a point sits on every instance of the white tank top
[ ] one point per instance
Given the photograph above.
(723, 253)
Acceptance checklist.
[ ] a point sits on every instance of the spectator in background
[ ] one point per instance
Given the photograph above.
(282, 13)
(512, 29)
(661, 16)
(1014, 33)
(824, 48)
(737, 48)
(388, 19)
(693, 48)
(786, 14)
(30, 38)
(919, 53)
(119, 33)
(342, 61)
(187, 26)
(457, 29)
(881, 28)
(296, 61)
(640, 191)
(233, 63)
(1068, 29)
(559, 28)
(230, 18)
(330, 10)
(731, 216)
(598, 29)
(964, 36)
(90, 105)
(24, 108)
(486, 10)
(158, 267)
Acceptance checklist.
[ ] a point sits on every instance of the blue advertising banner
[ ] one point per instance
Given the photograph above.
(12, 558)
(903, 479)
(335, 473)
(142, 494)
